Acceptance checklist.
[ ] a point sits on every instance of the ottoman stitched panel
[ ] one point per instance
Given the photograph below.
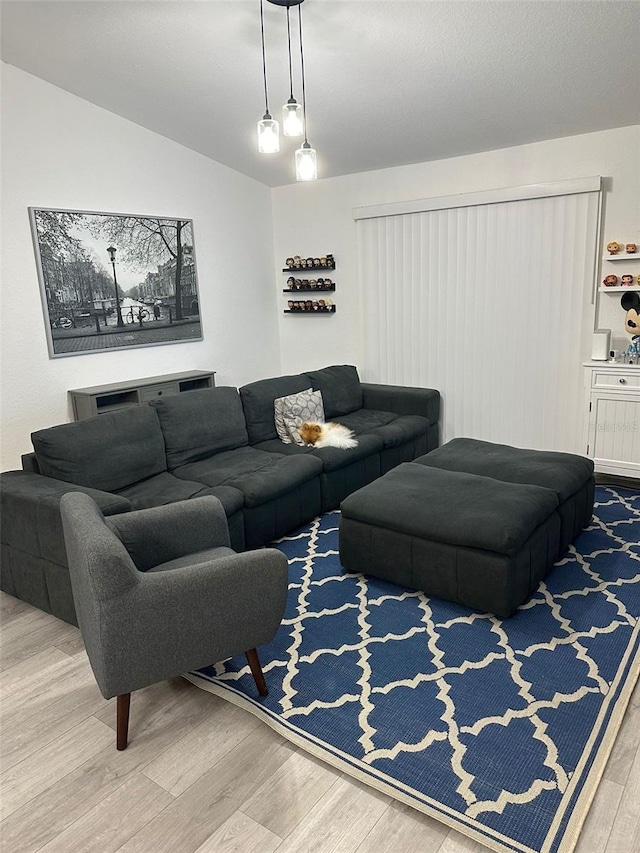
(569, 475)
(470, 539)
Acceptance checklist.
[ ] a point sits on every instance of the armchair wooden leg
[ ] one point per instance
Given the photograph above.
(256, 671)
(122, 720)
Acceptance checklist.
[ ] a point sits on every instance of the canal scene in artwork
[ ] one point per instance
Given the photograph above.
(111, 281)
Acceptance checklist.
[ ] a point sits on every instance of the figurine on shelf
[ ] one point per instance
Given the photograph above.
(631, 248)
(291, 282)
(626, 281)
(316, 262)
(313, 283)
(631, 304)
(323, 261)
(610, 280)
(613, 248)
(290, 305)
(296, 261)
(290, 263)
(330, 262)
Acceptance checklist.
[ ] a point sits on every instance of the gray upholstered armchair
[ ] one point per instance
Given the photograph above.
(159, 592)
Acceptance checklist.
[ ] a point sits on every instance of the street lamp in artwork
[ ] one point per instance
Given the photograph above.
(112, 258)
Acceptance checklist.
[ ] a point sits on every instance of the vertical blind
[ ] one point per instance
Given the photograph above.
(490, 304)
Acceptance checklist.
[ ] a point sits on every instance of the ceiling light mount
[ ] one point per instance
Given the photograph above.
(287, 3)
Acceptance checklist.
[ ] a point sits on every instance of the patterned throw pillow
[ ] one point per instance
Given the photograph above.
(294, 410)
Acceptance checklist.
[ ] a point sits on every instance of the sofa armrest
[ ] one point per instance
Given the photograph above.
(30, 511)
(192, 617)
(163, 533)
(402, 400)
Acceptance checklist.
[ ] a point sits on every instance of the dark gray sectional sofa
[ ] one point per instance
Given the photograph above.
(218, 441)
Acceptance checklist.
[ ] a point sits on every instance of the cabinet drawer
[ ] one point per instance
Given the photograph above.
(622, 380)
(155, 391)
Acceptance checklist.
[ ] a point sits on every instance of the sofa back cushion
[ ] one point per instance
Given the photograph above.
(107, 452)
(198, 424)
(340, 386)
(257, 401)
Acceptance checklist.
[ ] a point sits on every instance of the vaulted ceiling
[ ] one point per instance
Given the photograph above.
(389, 82)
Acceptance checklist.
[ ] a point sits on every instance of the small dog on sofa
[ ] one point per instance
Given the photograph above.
(327, 435)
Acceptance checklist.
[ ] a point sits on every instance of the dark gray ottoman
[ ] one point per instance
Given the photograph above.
(474, 540)
(569, 476)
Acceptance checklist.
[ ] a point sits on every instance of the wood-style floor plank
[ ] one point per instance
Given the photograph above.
(56, 683)
(26, 737)
(625, 833)
(202, 809)
(339, 821)
(201, 747)
(25, 780)
(29, 634)
(597, 827)
(170, 706)
(11, 608)
(456, 842)
(23, 675)
(240, 834)
(106, 827)
(402, 829)
(73, 645)
(287, 796)
(624, 749)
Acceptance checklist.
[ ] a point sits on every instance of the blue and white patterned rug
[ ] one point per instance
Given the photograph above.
(499, 728)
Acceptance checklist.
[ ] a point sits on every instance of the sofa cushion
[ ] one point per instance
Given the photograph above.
(257, 401)
(204, 557)
(292, 411)
(564, 473)
(394, 430)
(332, 458)
(259, 475)
(107, 452)
(160, 490)
(426, 503)
(340, 386)
(199, 423)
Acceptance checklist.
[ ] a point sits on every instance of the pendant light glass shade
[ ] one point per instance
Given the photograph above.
(292, 123)
(268, 135)
(306, 163)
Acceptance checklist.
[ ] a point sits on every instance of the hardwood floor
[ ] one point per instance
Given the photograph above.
(202, 776)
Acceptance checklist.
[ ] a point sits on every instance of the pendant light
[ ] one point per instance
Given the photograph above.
(292, 123)
(268, 128)
(306, 160)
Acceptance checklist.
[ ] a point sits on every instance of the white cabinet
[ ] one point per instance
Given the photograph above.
(613, 401)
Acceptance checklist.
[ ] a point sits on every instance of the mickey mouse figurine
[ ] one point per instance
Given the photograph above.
(631, 304)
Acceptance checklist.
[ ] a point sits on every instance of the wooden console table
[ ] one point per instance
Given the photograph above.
(87, 402)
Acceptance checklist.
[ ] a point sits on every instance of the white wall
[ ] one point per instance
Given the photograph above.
(316, 218)
(61, 151)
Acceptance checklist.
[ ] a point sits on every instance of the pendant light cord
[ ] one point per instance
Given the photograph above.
(289, 46)
(264, 59)
(304, 96)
